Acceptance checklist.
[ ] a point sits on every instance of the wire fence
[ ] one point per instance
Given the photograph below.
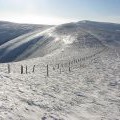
(46, 69)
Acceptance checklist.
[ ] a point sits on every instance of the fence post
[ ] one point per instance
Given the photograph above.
(58, 66)
(69, 67)
(53, 68)
(26, 69)
(21, 69)
(47, 71)
(8, 68)
(74, 61)
(33, 69)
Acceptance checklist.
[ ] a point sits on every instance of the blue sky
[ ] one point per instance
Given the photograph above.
(59, 11)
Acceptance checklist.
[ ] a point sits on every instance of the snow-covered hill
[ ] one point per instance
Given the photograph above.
(31, 41)
(76, 75)
(90, 91)
(9, 31)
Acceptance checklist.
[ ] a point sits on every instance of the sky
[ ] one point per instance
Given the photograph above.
(59, 11)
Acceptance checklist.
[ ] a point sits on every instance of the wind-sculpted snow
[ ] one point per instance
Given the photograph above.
(9, 31)
(64, 39)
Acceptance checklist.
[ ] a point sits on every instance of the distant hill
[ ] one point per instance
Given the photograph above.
(9, 31)
(84, 38)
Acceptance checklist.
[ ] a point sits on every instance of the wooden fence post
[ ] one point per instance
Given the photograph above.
(33, 69)
(58, 66)
(21, 69)
(53, 68)
(8, 68)
(47, 71)
(26, 69)
(74, 61)
(69, 67)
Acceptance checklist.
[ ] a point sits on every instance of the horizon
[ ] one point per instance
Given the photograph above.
(61, 23)
(55, 12)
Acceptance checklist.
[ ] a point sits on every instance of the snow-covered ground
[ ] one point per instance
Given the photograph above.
(83, 81)
(90, 91)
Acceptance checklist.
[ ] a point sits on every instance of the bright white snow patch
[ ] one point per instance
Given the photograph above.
(68, 39)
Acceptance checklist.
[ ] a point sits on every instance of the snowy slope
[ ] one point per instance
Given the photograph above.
(9, 31)
(65, 38)
(84, 74)
(91, 91)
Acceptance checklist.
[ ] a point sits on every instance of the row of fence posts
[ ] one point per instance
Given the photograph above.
(26, 69)
(59, 66)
